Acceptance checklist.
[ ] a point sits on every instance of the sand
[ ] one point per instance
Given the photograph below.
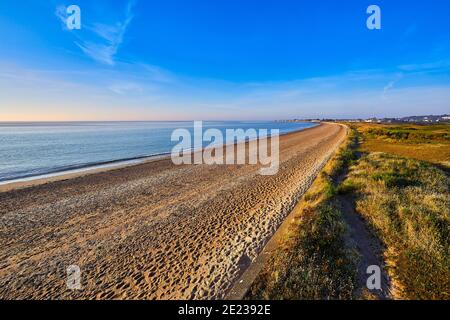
(153, 230)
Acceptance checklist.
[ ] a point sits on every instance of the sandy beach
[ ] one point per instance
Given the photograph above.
(152, 230)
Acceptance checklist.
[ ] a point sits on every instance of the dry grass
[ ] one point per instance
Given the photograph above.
(406, 202)
(438, 153)
(422, 142)
(313, 261)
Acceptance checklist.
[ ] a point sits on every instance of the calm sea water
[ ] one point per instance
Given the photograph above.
(35, 149)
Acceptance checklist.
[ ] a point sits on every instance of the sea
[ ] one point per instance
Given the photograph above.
(31, 150)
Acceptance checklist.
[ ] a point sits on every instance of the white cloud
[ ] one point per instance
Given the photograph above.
(430, 66)
(61, 13)
(391, 85)
(110, 36)
(123, 88)
(149, 92)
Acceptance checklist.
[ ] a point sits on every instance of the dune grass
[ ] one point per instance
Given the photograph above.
(422, 142)
(406, 202)
(313, 261)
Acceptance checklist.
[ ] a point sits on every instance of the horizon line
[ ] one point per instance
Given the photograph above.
(234, 120)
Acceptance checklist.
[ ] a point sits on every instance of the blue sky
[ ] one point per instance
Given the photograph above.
(220, 60)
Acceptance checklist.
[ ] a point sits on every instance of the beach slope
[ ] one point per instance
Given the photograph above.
(153, 230)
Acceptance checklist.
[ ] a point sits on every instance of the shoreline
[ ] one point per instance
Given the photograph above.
(154, 230)
(59, 175)
(20, 183)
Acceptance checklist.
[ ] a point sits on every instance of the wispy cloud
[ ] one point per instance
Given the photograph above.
(61, 14)
(140, 91)
(108, 37)
(391, 85)
(123, 88)
(429, 66)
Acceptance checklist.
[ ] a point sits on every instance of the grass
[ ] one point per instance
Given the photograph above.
(399, 180)
(430, 143)
(313, 261)
(406, 203)
(404, 198)
(409, 133)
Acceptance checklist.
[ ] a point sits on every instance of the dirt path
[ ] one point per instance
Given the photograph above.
(154, 230)
(368, 247)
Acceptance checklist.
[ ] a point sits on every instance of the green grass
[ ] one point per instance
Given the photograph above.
(422, 142)
(406, 202)
(313, 261)
(413, 134)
